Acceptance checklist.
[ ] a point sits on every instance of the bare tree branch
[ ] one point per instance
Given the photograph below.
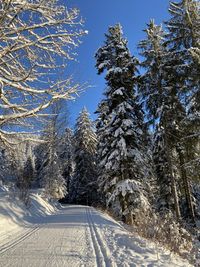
(37, 39)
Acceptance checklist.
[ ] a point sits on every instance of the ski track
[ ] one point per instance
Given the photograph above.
(10, 244)
(103, 254)
(60, 240)
(78, 236)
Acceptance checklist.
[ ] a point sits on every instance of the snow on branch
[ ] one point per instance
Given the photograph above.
(37, 39)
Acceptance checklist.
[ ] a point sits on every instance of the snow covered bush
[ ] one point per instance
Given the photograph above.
(166, 231)
(57, 189)
(53, 181)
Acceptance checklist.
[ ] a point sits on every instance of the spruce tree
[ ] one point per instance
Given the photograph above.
(83, 186)
(122, 132)
(50, 171)
(183, 25)
(48, 163)
(53, 181)
(29, 171)
(65, 154)
(159, 93)
(103, 115)
(183, 40)
(152, 82)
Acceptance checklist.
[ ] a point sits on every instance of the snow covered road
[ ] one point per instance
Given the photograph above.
(81, 236)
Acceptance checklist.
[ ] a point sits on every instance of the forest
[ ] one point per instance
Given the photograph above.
(140, 159)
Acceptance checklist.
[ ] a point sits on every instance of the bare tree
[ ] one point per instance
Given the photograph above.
(37, 39)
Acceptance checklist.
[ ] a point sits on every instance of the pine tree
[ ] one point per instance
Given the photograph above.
(183, 40)
(103, 114)
(152, 82)
(159, 93)
(29, 171)
(8, 166)
(65, 154)
(53, 181)
(49, 170)
(122, 132)
(48, 164)
(165, 200)
(183, 26)
(83, 186)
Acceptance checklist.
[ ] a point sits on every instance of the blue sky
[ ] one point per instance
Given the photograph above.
(99, 15)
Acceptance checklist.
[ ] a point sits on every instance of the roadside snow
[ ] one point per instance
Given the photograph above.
(129, 249)
(15, 218)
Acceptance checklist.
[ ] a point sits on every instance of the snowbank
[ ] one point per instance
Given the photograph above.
(129, 249)
(15, 217)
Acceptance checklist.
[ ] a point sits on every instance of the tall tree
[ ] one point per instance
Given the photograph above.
(183, 40)
(84, 183)
(159, 93)
(65, 153)
(49, 167)
(122, 133)
(183, 25)
(25, 179)
(103, 115)
(35, 36)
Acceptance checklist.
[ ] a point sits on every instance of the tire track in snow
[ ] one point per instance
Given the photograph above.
(103, 255)
(18, 240)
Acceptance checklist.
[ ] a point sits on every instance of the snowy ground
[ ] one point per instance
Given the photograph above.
(72, 236)
(15, 218)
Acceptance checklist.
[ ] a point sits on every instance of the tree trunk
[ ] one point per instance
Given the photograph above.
(186, 185)
(175, 195)
(173, 181)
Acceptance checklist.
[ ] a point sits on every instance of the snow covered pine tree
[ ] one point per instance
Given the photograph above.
(83, 186)
(183, 39)
(122, 134)
(156, 92)
(65, 154)
(49, 166)
(164, 89)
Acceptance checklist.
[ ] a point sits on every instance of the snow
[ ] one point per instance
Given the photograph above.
(129, 186)
(114, 70)
(127, 123)
(15, 218)
(113, 154)
(118, 92)
(103, 65)
(72, 236)
(118, 132)
(122, 146)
